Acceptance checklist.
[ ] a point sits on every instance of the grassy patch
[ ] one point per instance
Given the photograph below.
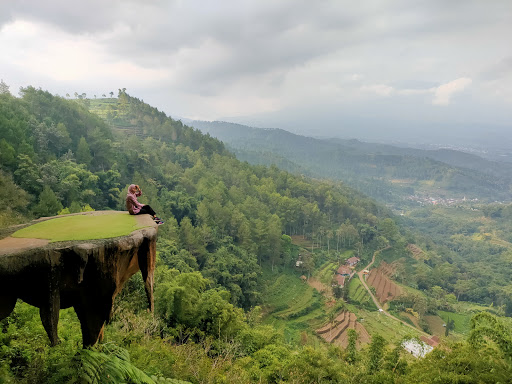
(462, 320)
(326, 272)
(378, 323)
(81, 227)
(435, 323)
(357, 292)
(292, 306)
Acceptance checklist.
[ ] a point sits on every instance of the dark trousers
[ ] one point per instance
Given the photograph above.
(146, 209)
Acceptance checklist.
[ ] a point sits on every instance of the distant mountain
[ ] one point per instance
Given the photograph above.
(385, 172)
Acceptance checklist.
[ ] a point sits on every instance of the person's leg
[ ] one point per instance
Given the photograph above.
(146, 209)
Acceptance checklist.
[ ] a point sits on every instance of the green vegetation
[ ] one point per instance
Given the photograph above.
(292, 305)
(81, 227)
(357, 294)
(462, 321)
(384, 172)
(230, 307)
(466, 252)
(325, 273)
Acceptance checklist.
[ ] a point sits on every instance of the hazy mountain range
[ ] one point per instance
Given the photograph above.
(381, 170)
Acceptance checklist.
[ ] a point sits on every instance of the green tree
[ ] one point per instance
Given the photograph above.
(83, 153)
(4, 88)
(375, 354)
(49, 204)
(28, 175)
(351, 350)
(7, 154)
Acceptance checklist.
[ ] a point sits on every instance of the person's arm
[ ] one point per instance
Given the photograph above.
(134, 202)
(137, 203)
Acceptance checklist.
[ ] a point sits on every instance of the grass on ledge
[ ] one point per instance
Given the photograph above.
(81, 227)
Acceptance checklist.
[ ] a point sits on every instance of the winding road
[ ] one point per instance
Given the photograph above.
(379, 306)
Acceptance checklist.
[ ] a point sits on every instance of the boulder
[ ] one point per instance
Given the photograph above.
(83, 274)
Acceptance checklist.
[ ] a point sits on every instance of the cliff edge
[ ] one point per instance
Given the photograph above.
(80, 261)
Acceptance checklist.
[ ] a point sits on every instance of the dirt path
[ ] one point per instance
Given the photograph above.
(12, 244)
(361, 278)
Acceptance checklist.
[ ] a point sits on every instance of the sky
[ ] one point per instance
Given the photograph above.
(389, 70)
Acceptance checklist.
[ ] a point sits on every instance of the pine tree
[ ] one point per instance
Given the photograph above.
(49, 204)
(4, 88)
(83, 153)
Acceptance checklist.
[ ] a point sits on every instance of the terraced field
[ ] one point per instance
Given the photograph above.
(337, 331)
(378, 323)
(417, 252)
(292, 305)
(358, 295)
(326, 272)
(379, 278)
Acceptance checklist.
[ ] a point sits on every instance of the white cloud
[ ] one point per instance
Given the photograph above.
(444, 93)
(378, 89)
(232, 58)
(45, 51)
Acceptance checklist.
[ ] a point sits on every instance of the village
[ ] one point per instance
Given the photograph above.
(445, 201)
(334, 333)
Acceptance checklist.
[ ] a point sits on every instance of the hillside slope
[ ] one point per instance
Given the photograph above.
(384, 172)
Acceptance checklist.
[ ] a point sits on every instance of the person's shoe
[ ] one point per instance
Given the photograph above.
(159, 222)
(157, 218)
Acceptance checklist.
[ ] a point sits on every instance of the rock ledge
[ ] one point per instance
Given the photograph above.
(86, 275)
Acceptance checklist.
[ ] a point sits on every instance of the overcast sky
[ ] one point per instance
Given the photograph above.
(341, 68)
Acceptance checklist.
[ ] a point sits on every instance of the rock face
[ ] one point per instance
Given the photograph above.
(85, 275)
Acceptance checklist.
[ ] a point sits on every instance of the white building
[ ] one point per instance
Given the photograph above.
(417, 348)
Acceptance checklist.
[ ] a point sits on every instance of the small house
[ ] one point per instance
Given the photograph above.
(417, 348)
(344, 271)
(338, 281)
(352, 261)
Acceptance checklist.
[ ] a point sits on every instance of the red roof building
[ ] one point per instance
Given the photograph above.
(339, 281)
(344, 271)
(353, 261)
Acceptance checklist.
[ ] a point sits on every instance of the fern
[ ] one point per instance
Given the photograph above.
(109, 364)
(163, 380)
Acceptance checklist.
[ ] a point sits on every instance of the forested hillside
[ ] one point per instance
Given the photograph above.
(384, 172)
(226, 259)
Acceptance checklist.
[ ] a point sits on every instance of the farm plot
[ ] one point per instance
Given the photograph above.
(417, 252)
(326, 272)
(291, 305)
(379, 278)
(358, 295)
(337, 331)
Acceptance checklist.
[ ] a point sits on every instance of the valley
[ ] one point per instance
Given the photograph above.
(263, 275)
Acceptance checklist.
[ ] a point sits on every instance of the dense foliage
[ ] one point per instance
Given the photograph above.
(225, 222)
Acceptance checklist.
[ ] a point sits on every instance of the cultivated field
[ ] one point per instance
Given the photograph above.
(417, 252)
(336, 332)
(379, 278)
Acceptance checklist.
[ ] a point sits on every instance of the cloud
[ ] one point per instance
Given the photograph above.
(378, 89)
(235, 58)
(444, 93)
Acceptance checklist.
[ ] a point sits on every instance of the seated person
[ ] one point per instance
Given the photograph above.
(136, 208)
